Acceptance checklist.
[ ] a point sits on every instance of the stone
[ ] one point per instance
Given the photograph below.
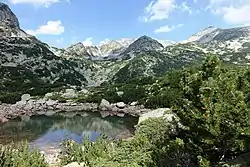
(157, 113)
(120, 93)
(25, 97)
(104, 105)
(21, 103)
(121, 105)
(41, 101)
(28, 106)
(51, 102)
(3, 120)
(84, 91)
(69, 94)
(134, 103)
(115, 109)
(48, 95)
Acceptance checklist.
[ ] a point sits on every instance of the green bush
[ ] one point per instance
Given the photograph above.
(20, 156)
(10, 97)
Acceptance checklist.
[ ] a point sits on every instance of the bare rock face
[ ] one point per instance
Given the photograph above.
(7, 17)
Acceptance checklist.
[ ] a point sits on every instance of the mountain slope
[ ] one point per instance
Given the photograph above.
(26, 61)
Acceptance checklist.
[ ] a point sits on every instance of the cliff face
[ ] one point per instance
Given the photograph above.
(7, 17)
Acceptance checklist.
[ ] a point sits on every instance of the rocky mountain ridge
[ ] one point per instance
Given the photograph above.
(24, 59)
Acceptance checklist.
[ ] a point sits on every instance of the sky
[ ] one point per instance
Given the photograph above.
(62, 23)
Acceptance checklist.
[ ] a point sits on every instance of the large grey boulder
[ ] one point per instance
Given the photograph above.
(134, 103)
(121, 105)
(160, 112)
(48, 95)
(25, 97)
(105, 105)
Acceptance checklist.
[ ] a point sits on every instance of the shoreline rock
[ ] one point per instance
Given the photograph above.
(50, 107)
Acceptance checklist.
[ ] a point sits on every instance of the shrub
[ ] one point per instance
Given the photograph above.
(20, 156)
(10, 97)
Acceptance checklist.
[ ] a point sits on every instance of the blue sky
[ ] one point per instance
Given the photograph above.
(64, 22)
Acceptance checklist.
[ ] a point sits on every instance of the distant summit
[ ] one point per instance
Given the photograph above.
(9, 24)
(7, 17)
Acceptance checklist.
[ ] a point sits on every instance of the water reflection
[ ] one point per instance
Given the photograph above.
(49, 131)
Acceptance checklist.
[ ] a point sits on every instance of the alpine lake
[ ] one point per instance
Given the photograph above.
(44, 132)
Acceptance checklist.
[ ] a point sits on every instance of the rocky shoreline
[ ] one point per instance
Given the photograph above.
(30, 107)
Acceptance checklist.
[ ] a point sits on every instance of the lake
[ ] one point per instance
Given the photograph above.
(45, 132)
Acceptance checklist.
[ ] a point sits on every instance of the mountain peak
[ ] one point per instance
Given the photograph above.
(144, 37)
(7, 17)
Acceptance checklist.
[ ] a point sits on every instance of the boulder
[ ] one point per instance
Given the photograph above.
(69, 94)
(134, 103)
(25, 97)
(3, 120)
(161, 112)
(51, 102)
(48, 95)
(21, 103)
(121, 105)
(84, 91)
(104, 105)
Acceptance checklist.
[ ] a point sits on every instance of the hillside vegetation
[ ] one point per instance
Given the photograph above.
(212, 103)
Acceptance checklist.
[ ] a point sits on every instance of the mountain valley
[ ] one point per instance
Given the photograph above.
(26, 60)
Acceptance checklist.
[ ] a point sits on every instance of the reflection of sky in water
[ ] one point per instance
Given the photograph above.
(44, 132)
(53, 139)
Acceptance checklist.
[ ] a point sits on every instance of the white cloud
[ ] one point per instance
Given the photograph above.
(166, 28)
(51, 28)
(162, 9)
(88, 42)
(45, 3)
(184, 7)
(234, 12)
(158, 10)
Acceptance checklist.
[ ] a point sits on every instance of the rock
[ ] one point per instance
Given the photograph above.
(50, 113)
(21, 103)
(70, 93)
(25, 97)
(41, 101)
(7, 17)
(84, 91)
(154, 114)
(51, 102)
(121, 105)
(104, 105)
(75, 164)
(115, 109)
(3, 120)
(120, 93)
(48, 95)
(134, 103)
